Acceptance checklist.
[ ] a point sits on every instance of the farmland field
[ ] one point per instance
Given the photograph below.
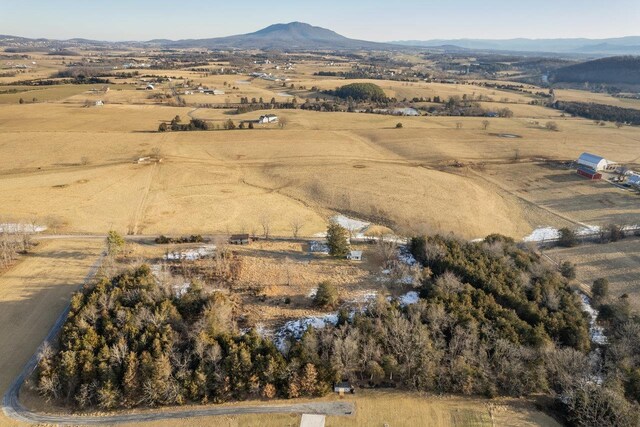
(33, 293)
(400, 409)
(619, 262)
(68, 164)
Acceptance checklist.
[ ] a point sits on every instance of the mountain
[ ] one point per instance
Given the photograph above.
(612, 70)
(612, 46)
(291, 36)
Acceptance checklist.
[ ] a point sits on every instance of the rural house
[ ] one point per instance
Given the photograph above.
(269, 118)
(355, 256)
(240, 239)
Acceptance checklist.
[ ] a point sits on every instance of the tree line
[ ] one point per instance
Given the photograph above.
(604, 112)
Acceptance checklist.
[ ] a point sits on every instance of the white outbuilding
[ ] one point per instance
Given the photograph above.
(596, 163)
(268, 118)
(355, 256)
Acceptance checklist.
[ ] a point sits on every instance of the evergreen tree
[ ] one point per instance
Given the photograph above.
(338, 240)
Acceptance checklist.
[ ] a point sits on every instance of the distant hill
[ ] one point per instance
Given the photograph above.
(613, 70)
(291, 36)
(612, 46)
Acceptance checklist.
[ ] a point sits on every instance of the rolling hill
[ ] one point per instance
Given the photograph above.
(613, 70)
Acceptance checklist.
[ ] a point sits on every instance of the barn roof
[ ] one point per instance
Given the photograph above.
(590, 158)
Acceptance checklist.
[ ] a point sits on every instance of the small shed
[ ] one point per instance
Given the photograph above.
(343, 387)
(355, 256)
(240, 239)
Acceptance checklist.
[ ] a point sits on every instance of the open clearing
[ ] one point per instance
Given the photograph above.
(619, 262)
(33, 293)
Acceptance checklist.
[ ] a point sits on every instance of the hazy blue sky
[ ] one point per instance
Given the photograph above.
(372, 20)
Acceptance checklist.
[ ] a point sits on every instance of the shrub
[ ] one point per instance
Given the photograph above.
(568, 270)
(399, 126)
(552, 126)
(568, 238)
(600, 290)
(115, 243)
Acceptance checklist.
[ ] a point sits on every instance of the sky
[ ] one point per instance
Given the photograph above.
(375, 20)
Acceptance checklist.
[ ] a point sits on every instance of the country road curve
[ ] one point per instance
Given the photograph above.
(326, 408)
(10, 401)
(12, 407)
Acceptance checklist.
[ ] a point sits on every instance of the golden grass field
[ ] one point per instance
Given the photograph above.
(619, 262)
(74, 166)
(32, 295)
(398, 409)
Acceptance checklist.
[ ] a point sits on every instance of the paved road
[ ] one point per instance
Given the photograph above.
(10, 401)
(326, 408)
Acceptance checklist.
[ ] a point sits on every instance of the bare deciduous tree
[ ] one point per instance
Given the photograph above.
(296, 225)
(265, 222)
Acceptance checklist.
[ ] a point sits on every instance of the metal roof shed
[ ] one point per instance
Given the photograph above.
(592, 161)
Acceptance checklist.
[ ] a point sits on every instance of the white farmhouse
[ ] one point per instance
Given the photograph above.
(269, 118)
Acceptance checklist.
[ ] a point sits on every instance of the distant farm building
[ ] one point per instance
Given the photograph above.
(355, 256)
(240, 239)
(590, 166)
(405, 112)
(99, 103)
(343, 387)
(269, 118)
(213, 92)
(633, 180)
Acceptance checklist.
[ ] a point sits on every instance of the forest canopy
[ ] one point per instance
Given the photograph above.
(360, 92)
(493, 319)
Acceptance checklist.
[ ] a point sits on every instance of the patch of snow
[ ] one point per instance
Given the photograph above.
(284, 95)
(405, 256)
(596, 332)
(179, 289)
(366, 297)
(590, 229)
(542, 234)
(312, 293)
(191, 254)
(409, 298)
(355, 227)
(16, 227)
(550, 233)
(318, 247)
(296, 328)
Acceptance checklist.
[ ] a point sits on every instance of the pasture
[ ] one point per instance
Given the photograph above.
(74, 166)
(33, 293)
